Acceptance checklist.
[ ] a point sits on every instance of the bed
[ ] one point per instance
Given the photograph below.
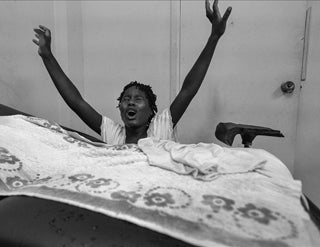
(61, 187)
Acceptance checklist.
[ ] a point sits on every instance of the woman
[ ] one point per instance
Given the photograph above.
(137, 101)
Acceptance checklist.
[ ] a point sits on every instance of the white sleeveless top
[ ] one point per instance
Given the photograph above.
(160, 128)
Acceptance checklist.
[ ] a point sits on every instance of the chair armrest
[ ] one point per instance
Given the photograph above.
(226, 132)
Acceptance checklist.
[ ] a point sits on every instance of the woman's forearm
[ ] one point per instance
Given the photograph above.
(197, 73)
(66, 88)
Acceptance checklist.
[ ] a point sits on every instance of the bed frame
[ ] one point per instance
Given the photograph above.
(28, 221)
(30, 218)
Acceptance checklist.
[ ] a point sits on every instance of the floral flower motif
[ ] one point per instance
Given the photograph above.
(129, 146)
(46, 125)
(158, 199)
(122, 147)
(96, 183)
(73, 140)
(130, 196)
(80, 177)
(69, 139)
(41, 180)
(82, 144)
(218, 202)
(262, 215)
(6, 157)
(53, 127)
(16, 182)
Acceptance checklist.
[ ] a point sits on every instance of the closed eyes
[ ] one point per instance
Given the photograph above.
(127, 98)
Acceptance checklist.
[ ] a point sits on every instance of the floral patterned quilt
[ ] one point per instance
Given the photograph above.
(39, 158)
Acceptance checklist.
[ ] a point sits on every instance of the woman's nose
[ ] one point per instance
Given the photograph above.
(131, 102)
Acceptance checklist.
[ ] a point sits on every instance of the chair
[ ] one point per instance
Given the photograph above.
(226, 132)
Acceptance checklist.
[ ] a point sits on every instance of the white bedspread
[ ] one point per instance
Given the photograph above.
(256, 203)
(204, 161)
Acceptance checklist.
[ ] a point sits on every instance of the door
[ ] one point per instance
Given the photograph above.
(261, 49)
(308, 135)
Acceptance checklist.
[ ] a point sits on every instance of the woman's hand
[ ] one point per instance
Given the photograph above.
(218, 22)
(43, 40)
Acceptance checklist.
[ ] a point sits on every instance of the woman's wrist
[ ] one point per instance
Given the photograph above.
(47, 55)
(214, 37)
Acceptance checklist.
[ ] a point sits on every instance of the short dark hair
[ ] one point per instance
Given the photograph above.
(148, 92)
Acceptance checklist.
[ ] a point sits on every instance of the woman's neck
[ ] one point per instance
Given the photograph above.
(133, 135)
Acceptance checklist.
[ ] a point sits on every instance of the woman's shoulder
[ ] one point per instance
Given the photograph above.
(161, 126)
(111, 131)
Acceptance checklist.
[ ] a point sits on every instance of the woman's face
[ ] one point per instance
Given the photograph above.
(134, 108)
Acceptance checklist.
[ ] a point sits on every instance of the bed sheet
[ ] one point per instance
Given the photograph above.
(40, 159)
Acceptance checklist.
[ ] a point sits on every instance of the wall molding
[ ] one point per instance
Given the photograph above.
(175, 47)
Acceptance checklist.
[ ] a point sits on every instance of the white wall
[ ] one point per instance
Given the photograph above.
(260, 49)
(101, 45)
(124, 42)
(307, 163)
(101, 58)
(23, 83)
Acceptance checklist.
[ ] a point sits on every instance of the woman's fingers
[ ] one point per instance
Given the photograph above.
(227, 14)
(208, 10)
(207, 5)
(214, 13)
(46, 30)
(42, 33)
(36, 42)
(43, 28)
(216, 9)
(215, 3)
(38, 31)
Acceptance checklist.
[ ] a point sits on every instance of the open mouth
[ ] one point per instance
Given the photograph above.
(131, 114)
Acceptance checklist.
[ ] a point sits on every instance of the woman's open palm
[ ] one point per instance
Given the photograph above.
(214, 16)
(43, 40)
